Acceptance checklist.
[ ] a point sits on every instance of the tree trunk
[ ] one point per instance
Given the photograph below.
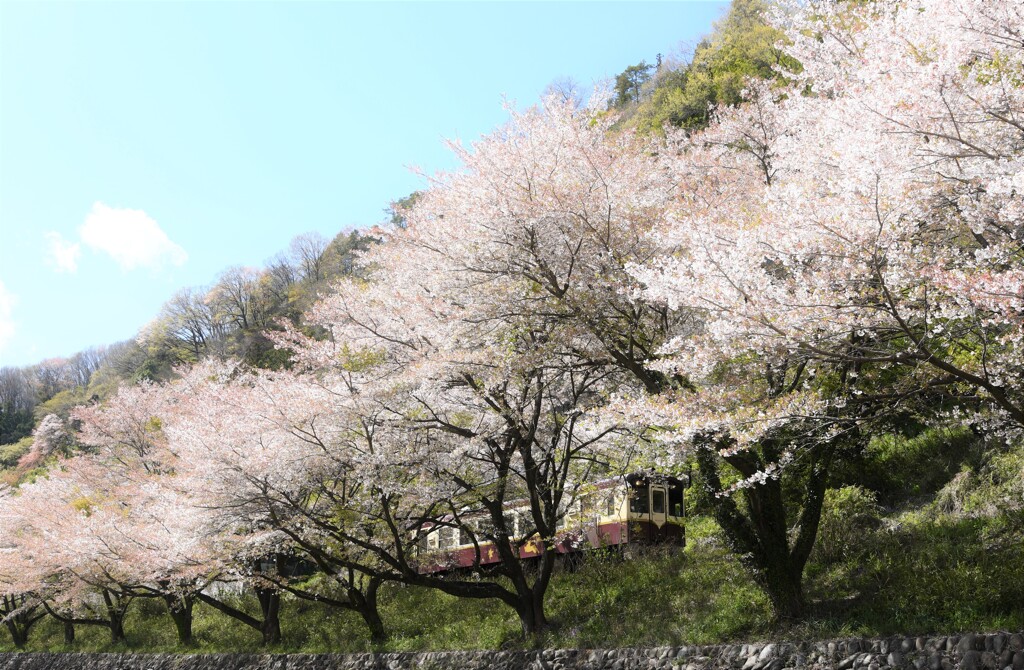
(117, 629)
(18, 634)
(116, 612)
(760, 538)
(531, 615)
(232, 612)
(785, 591)
(366, 604)
(69, 633)
(376, 625)
(180, 610)
(270, 607)
(530, 606)
(18, 618)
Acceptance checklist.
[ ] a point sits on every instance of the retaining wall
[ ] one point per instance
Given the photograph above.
(994, 651)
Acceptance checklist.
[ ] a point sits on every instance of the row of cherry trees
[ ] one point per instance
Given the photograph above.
(757, 298)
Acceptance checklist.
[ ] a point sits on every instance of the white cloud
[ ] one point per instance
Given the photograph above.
(7, 300)
(130, 237)
(62, 255)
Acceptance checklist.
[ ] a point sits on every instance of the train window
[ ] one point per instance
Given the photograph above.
(658, 501)
(611, 506)
(513, 523)
(639, 502)
(675, 500)
(449, 537)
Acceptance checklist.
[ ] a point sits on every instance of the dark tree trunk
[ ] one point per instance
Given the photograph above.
(270, 606)
(115, 624)
(269, 597)
(115, 612)
(180, 609)
(360, 588)
(371, 616)
(18, 634)
(531, 616)
(19, 621)
(117, 630)
(366, 604)
(760, 538)
(270, 630)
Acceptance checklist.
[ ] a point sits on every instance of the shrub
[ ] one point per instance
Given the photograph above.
(848, 517)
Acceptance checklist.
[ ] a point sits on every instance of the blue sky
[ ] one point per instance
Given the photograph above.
(145, 147)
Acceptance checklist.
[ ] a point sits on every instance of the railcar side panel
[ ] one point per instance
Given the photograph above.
(647, 510)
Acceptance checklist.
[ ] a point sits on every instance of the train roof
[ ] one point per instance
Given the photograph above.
(635, 479)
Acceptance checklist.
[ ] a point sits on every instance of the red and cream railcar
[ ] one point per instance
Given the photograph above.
(631, 510)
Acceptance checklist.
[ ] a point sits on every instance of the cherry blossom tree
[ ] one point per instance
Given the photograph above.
(834, 253)
(123, 530)
(49, 436)
(19, 609)
(855, 237)
(892, 210)
(295, 461)
(66, 525)
(495, 318)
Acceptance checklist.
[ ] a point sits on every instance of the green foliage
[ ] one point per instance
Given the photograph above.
(399, 209)
(14, 425)
(994, 489)
(742, 46)
(264, 355)
(926, 574)
(340, 255)
(10, 453)
(629, 84)
(847, 517)
(897, 466)
(62, 403)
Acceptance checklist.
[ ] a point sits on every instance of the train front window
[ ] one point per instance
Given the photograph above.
(658, 501)
(639, 500)
(675, 501)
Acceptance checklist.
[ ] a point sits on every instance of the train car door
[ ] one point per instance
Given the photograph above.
(659, 505)
(639, 510)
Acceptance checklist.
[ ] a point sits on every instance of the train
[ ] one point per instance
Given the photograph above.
(621, 512)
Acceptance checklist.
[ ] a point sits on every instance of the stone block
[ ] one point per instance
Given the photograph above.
(969, 642)
(971, 660)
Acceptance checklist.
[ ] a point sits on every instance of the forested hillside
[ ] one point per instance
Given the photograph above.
(787, 268)
(226, 319)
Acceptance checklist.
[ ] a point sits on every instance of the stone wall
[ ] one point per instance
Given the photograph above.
(996, 651)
